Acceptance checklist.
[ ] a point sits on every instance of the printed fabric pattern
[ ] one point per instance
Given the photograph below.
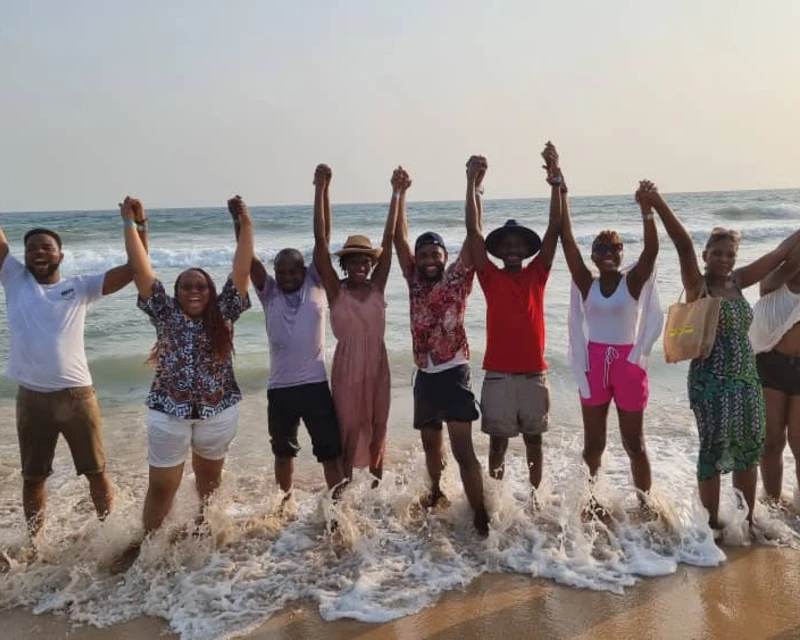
(726, 397)
(437, 313)
(188, 383)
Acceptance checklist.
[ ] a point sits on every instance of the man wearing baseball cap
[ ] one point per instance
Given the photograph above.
(515, 397)
(442, 387)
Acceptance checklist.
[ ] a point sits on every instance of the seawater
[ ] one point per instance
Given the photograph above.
(388, 558)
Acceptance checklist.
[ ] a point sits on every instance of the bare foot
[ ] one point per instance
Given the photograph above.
(481, 522)
(595, 511)
(125, 560)
(432, 499)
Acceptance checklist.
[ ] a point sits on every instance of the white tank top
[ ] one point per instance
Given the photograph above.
(611, 320)
(773, 316)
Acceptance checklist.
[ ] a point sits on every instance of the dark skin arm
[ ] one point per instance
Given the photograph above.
(121, 276)
(756, 271)
(690, 271)
(380, 274)
(405, 256)
(475, 243)
(139, 261)
(555, 221)
(783, 274)
(581, 275)
(322, 222)
(258, 272)
(647, 260)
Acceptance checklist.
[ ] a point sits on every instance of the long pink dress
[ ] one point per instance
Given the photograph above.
(360, 378)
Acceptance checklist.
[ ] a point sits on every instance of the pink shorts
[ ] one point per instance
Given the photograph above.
(611, 376)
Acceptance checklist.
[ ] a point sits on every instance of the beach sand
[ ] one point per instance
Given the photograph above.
(754, 596)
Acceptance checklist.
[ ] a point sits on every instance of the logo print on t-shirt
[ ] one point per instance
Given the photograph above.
(68, 294)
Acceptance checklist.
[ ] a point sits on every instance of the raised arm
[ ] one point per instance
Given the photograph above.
(783, 274)
(121, 276)
(756, 271)
(243, 256)
(258, 272)
(322, 255)
(4, 249)
(643, 269)
(405, 256)
(400, 182)
(581, 275)
(690, 271)
(558, 196)
(475, 253)
(131, 209)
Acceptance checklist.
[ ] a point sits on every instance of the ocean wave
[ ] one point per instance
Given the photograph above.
(757, 212)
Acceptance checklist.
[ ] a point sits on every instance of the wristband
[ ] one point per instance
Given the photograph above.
(395, 195)
(647, 216)
(129, 223)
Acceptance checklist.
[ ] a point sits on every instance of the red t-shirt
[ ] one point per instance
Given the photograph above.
(514, 318)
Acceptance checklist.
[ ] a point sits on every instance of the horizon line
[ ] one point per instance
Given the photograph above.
(345, 204)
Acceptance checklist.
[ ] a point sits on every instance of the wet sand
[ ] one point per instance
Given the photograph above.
(754, 596)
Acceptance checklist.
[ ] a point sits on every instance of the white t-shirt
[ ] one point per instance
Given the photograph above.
(45, 324)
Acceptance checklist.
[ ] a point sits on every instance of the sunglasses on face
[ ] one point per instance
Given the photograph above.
(603, 248)
(200, 287)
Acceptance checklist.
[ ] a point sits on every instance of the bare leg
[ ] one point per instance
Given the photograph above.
(709, 496)
(533, 449)
(630, 428)
(594, 436)
(101, 492)
(34, 498)
(497, 453)
(284, 470)
(777, 406)
(794, 433)
(433, 444)
(745, 481)
(332, 470)
(207, 477)
(161, 490)
(464, 453)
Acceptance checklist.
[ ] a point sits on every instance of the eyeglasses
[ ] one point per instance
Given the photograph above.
(603, 248)
(200, 287)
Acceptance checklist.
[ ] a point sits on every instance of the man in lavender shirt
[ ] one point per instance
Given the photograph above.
(295, 307)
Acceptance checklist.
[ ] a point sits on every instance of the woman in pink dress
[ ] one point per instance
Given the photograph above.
(360, 378)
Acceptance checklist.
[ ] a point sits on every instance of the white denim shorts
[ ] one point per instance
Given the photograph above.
(169, 438)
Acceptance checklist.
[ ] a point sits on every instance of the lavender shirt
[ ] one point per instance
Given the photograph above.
(296, 332)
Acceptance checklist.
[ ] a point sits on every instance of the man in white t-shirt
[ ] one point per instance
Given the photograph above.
(46, 357)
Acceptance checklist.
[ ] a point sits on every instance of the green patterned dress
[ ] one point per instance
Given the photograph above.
(726, 397)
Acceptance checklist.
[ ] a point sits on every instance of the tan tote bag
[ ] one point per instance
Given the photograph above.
(691, 328)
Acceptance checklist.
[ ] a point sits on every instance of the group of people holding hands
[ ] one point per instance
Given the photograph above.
(615, 317)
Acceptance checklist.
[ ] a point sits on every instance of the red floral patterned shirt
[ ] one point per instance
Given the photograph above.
(437, 313)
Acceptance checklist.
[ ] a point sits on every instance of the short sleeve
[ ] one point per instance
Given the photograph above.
(487, 274)
(267, 292)
(538, 273)
(231, 303)
(159, 304)
(460, 277)
(92, 287)
(312, 275)
(11, 270)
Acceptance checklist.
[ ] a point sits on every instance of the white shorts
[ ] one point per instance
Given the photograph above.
(169, 438)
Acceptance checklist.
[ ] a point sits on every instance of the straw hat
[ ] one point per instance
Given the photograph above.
(359, 244)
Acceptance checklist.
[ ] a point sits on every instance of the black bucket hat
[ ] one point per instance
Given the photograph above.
(512, 226)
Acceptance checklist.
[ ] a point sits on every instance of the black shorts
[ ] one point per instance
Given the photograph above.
(779, 371)
(313, 404)
(444, 397)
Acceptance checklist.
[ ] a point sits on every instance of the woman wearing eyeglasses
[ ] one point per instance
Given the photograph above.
(614, 320)
(193, 401)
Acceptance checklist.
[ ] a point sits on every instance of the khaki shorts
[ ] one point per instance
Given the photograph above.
(514, 403)
(42, 416)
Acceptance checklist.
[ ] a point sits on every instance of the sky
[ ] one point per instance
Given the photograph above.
(184, 103)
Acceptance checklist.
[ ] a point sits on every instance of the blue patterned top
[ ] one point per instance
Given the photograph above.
(188, 382)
